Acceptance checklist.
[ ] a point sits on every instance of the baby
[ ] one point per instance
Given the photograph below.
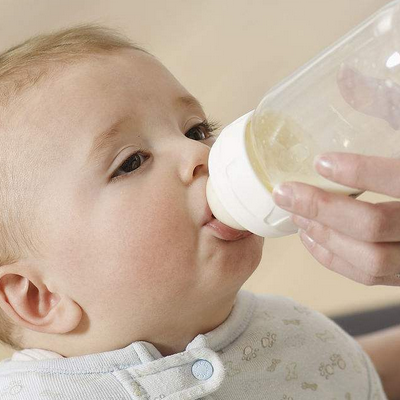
(112, 284)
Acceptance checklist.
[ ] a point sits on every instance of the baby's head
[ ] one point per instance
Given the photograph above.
(103, 170)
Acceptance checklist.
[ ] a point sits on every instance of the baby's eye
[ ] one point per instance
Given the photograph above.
(204, 130)
(132, 163)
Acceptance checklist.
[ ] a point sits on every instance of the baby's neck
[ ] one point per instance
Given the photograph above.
(167, 340)
(177, 342)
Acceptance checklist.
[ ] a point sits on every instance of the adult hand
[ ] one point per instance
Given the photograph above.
(357, 239)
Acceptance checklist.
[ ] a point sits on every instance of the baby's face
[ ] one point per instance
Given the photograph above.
(124, 227)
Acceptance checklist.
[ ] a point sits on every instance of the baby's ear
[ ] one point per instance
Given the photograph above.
(28, 303)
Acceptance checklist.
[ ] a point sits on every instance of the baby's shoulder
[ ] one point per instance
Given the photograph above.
(283, 305)
(292, 348)
(279, 305)
(283, 313)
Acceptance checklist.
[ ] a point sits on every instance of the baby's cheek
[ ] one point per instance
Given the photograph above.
(154, 248)
(147, 243)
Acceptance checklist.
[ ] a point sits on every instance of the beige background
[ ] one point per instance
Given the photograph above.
(228, 54)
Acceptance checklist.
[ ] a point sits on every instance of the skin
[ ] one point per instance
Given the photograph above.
(126, 260)
(357, 239)
(354, 238)
(383, 347)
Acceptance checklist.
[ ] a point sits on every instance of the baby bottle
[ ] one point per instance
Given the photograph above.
(346, 99)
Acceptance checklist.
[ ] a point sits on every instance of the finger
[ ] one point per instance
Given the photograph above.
(376, 174)
(392, 280)
(357, 219)
(375, 259)
(336, 264)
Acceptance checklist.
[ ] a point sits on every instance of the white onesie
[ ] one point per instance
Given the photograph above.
(270, 347)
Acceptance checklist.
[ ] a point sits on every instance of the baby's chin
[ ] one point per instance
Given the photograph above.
(244, 260)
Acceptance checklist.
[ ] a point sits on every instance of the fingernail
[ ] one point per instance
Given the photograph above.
(308, 242)
(283, 195)
(324, 165)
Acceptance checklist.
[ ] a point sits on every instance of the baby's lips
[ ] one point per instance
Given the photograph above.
(226, 232)
(207, 215)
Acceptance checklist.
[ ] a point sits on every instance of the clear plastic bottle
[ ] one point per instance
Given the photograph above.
(346, 99)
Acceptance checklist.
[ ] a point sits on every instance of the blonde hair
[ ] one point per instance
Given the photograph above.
(23, 67)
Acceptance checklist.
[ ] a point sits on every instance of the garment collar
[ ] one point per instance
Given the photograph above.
(142, 352)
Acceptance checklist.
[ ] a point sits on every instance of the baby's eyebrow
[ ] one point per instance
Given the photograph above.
(189, 101)
(104, 141)
(108, 137)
